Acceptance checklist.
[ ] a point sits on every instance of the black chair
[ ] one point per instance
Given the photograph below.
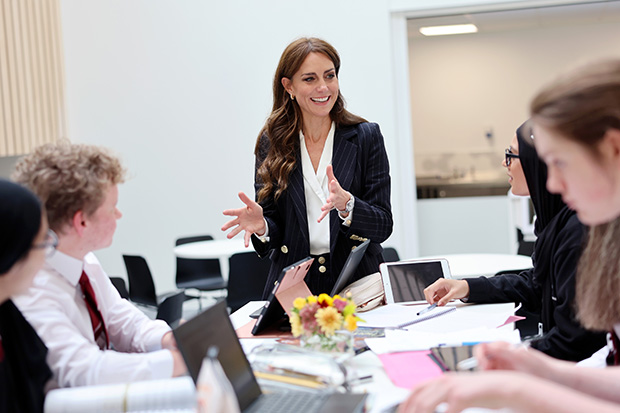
(171, 309)
(141, 285)
(247, 277)
(121, 287)
(201, 274)
(390, 254)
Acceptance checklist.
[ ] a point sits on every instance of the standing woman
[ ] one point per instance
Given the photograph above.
(24, 242)
(314, 159)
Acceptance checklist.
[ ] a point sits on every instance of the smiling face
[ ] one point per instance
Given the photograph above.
(314, 86)
(587, 180)
(516, 177)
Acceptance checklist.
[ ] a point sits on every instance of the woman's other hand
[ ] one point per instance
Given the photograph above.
(492, 390)
(443, 290)
(249, 219)
(337, 198)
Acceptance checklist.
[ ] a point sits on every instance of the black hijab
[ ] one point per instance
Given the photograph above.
(552, 214)
(23, 368)
(546, 204)
(20, 220)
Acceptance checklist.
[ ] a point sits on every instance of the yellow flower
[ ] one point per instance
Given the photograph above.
(329, 319)
(337, 297)
(350, 322)
(296, 327)
(311, 299)
(349, 309)
(299, 303)
(324, 298)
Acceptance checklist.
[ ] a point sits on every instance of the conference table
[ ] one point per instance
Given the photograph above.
(383, 393)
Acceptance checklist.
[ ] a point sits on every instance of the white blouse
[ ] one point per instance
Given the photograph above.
(316, 191)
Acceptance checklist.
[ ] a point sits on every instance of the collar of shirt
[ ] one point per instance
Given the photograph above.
(318, 180)
(69, 267)
(316, 191)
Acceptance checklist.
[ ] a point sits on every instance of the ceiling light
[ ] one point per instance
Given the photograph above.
(451, 29)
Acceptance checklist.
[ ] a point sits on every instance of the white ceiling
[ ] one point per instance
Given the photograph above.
(584, 13)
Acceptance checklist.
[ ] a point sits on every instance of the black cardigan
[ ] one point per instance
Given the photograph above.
(552, 295)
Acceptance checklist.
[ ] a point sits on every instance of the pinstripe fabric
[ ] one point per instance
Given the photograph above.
(361, 167)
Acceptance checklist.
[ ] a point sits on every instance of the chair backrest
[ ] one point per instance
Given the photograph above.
(390, 254)
(121, 287)
(189, 270)
(247, 277)
(141, 285)
(195, 238)
(171, 309)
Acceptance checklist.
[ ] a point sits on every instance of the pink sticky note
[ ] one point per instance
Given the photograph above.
(409, 368)
(511, 319)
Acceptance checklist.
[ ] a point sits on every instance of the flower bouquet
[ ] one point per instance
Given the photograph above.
(324, 323)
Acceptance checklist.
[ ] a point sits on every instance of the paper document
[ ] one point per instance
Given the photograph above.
(406, 340)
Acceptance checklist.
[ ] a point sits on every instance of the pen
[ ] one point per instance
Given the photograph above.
(429, 308)
(467, 364)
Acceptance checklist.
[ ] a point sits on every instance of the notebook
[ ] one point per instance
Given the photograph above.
(404, 281)
(213, 328)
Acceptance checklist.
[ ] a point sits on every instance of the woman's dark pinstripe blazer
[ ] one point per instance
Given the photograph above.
(361, 167)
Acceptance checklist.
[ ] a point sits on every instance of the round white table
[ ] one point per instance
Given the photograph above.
(220, 249)
(475, 265)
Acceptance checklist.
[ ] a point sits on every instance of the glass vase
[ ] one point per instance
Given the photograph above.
(338, 344)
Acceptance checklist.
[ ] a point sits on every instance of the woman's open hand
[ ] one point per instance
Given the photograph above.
(248, 218)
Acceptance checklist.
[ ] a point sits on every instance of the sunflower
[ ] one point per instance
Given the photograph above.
(329, 319)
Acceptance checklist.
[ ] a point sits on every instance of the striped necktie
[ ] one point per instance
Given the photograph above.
(101, 334)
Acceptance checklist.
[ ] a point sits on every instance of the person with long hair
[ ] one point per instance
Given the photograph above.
(577, 134)
(25, 240)
(315, 160)
(547, 289)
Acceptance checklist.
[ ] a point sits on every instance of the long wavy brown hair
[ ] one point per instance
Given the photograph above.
(582, 106)
(285, 121)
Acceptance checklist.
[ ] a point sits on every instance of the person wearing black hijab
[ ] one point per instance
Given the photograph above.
(24, 242)
(548, 288)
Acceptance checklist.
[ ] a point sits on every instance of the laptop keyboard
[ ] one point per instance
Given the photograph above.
(287, 402)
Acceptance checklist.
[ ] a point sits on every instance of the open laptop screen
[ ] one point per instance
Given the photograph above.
(213, 327)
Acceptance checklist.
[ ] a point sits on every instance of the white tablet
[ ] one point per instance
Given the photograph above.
(404, 281)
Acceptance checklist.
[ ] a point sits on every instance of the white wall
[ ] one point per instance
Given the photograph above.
(462, 86)
(180, 90)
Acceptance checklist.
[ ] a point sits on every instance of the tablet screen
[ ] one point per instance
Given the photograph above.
(408, 280)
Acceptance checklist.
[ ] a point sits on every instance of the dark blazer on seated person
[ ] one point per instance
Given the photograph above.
(361, 167)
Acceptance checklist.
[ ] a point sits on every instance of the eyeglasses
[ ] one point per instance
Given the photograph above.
(49, 243)
(509, 155)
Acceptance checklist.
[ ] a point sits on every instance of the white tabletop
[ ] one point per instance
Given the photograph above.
(475, 265)
(212, 249)
(381, 389)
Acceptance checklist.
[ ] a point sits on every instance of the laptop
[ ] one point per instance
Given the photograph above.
(291, 285)
(353, 260)
(214, 328)
(404, 281)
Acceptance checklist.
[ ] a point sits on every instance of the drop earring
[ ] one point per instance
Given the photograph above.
(292, 97)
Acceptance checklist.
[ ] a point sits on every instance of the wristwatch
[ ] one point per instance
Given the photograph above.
(348, 207)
